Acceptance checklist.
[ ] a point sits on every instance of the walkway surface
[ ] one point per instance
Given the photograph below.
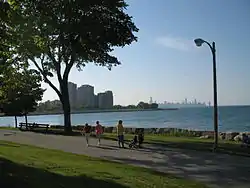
(216, 170)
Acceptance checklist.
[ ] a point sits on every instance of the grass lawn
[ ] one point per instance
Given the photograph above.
(193, 143)
(182, 142)
(28, 166)
(9, 128)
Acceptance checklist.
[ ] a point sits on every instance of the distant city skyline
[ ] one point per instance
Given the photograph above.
(166, 64)
(84, 96)
(184, 101)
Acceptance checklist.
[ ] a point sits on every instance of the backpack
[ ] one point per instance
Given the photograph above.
(87, 129)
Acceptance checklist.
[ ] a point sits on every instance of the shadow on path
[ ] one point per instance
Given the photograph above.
(105, 147)
(227, 148)
(14, 175)
(206, 167)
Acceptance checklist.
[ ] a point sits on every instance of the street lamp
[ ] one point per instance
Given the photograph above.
(199, 43)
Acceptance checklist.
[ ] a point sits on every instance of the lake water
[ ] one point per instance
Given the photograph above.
(232, 118)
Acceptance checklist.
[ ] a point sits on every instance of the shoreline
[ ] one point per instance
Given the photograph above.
(167, 131)
(97, 111)
(177, 132)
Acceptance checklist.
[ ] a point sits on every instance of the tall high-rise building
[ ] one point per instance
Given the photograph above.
(96, 101)
(105, 100)
(72, 87)
(101, 100)
(150, 100)
(85, 96)
(109, 99)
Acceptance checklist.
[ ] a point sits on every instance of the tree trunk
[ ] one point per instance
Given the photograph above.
(26, 121)
(67, 118)
(15, 122)
(66, 107)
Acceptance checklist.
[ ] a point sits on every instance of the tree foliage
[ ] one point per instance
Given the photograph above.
(5, 37)
(20, 91)
(144, 105)
(55, 35)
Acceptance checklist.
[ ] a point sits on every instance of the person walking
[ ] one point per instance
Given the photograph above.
(141, 137)
(120, 133)
(87, 131)
(99, 132)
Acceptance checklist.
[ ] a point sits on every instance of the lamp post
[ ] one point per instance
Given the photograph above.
(199, 43)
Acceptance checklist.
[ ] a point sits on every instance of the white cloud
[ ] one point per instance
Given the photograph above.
(176, 43)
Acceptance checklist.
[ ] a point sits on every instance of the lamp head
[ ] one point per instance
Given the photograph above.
(199, 42)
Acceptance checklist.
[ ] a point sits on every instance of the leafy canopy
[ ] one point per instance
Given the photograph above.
(68, 32)
(55, 35)
(20, 90)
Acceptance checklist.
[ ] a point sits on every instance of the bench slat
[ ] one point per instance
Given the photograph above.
(34, 125)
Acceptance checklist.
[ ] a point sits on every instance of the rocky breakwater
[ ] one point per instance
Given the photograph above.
(232, 136)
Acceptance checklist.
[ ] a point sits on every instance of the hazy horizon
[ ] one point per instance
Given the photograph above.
(165, 63)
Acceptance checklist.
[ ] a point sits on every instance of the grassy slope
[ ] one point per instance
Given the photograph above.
(28, 166)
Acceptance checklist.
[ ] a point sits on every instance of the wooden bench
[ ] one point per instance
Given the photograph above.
(32, 126)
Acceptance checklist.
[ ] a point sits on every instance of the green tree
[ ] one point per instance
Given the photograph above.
(154, 105)
(117, 107)
(5, 36)
(143, 105)
(131, 106)
(20, 91)
(56, 35)
(4, 8)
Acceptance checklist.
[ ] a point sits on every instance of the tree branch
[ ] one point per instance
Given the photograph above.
(51, 55)
(57, 65)
(68, 67)
(60, 51)
(70, 64)
(46, 78)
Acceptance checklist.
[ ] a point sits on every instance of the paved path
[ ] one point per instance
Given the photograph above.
(216, 170)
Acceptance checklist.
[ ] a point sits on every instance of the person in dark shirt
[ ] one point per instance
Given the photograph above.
(246, 140)
(141, 137)
(87, 131)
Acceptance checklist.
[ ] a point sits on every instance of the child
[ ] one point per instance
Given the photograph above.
(133, 142)
(87, 130)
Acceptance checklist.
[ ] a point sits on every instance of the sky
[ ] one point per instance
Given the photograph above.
(166, 65)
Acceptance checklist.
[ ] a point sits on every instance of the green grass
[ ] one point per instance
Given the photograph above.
(28, 166)
(8, 128)
(193, 143)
